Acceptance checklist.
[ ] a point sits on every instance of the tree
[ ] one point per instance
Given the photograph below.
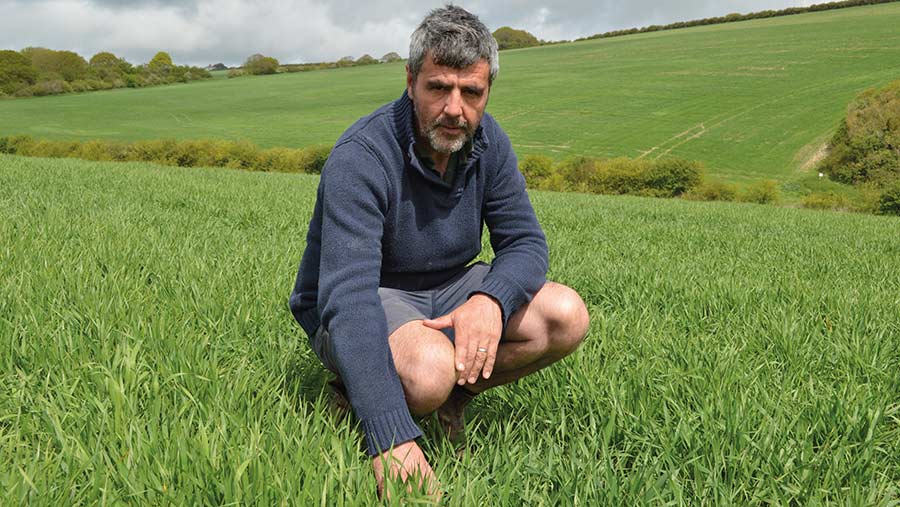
(15, 72)
(366, 60)
(865, 147)
(510, 38)
(52, 64)
(260, 64)
(108, 67)
(391, 57)
(161, 62)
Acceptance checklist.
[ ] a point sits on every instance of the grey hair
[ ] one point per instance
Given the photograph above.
(455, 38)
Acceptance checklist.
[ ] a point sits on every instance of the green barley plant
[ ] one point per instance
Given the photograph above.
(738, 354)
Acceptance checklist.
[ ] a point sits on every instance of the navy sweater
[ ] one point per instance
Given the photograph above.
(381, 219)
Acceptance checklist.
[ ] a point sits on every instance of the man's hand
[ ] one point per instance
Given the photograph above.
(477, 325)
(405, 462)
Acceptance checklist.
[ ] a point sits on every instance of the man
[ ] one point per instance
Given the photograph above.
(385, 289)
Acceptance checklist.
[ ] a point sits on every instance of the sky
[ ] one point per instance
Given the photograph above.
(202, 32)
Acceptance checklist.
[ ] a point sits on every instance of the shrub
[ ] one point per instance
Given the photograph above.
(366, 60)
(64, 65)
(673, 176)
(235, 73)
(536, 168)
(889, 202)
(510, 38)
(16, 72)
(825, 200)
(108, 67)
(314, 158)
(51, 87)
(161, 62)
(763, 192)
(712, 191)
(94, 150)
(865, 146)
(259, 64)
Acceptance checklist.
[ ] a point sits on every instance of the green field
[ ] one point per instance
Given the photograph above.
(753, 100)
(738, 354)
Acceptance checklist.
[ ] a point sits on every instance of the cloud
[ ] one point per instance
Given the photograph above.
(200, 32)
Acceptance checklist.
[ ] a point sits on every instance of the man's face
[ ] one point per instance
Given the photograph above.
(449, 102)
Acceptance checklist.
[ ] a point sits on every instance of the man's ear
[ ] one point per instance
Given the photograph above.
(410, 82)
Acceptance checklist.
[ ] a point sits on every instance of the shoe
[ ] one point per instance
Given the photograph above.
(339, 400)
(452, 415)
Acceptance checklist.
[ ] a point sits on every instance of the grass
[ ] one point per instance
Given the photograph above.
(738, 354)
(753, 100)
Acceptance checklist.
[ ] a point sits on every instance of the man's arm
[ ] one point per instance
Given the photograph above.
(353, 189)
(517, 273)
(519, 268)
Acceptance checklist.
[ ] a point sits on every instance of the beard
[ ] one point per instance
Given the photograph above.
(441, 142)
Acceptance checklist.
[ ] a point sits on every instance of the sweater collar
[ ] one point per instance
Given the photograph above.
(404, 125)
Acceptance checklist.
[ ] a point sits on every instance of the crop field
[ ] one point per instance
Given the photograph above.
(738, 354)
(752, 100)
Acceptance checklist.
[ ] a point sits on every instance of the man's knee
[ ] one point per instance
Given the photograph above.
(427, 372)
(567, 320)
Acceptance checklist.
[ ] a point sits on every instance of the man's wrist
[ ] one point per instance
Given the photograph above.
(488, 297)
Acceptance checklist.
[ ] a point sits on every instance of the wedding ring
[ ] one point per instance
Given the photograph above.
(480, 349)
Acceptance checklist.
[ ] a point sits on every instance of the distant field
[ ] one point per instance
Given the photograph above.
(738, 354)
(753, 99)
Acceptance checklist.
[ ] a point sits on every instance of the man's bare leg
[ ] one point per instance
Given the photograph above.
(423, 358)
(542, 332)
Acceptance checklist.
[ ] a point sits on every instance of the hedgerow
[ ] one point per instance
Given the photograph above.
(188, 153)
(734, 17)
(654, 178)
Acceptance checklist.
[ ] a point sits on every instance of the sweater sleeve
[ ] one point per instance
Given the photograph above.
(519, 268)
(353, 189)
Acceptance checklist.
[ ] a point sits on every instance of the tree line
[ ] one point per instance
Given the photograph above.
(733, 17)
(36, 71)
(260, 64)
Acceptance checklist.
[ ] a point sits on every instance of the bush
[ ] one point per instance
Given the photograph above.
(315, 158)
(536, 168)
(16, 72)
(673, 176)
(889, 203)
(510, 38)
(763, 192)
(865, 147)
(825, 200)
(366, 60)
(52, 87)
(64, 65)
(235, 73)
(712, 191)
(259, 64)
(653, 178)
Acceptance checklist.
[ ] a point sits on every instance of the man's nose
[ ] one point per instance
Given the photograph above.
(453, 105)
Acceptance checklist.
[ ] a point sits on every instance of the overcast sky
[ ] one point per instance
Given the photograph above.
(200, 32)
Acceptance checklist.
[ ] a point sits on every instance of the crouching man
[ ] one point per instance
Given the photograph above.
(387, 291)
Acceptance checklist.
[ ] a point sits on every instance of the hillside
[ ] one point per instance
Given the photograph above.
(752, 100)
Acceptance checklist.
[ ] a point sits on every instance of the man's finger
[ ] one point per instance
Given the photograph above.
(442, 322)
(481, 353)
(489, 362)
(471, 359)
(460, 342)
